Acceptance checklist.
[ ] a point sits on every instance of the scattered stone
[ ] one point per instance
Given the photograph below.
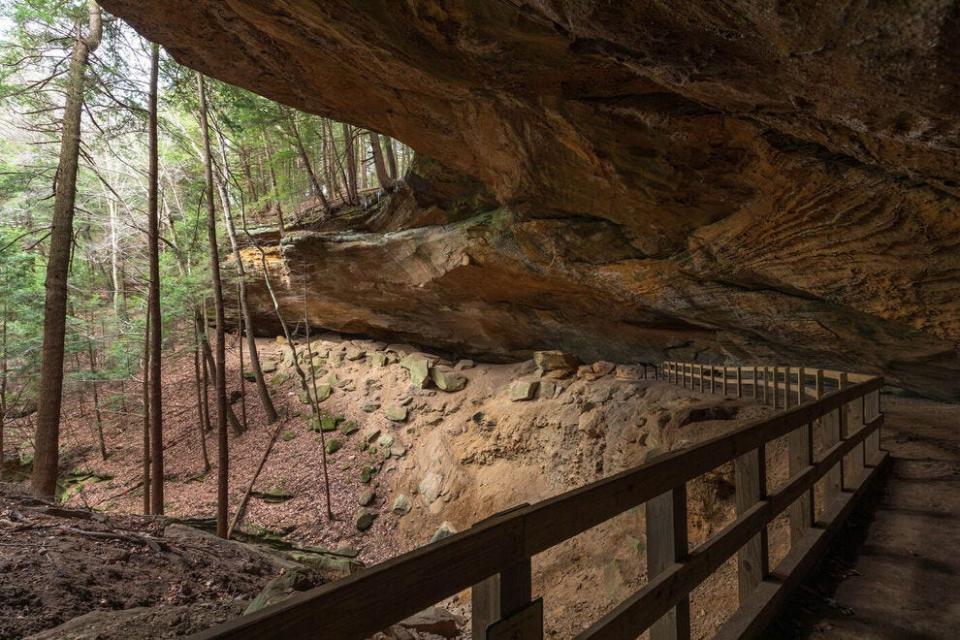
(590, 423)
(378, 359)
(273, 495)
(355, 354)
(555, 361)
(279, 379)
(465, 364)
(396, 451)
(602, 367)
(268, 366)
(418, 365)
(370, 407)
(548, 389)
(349, 427)
(364, 519)
(396, 413)
(401, 505)
(279, 589)
(287, 436)
(333, 445)
(445, 530)
(249, 376)
(386, 440)
(366, 474)
(447, 380)
(329, 423)
(527, 367)
(523, 390)
(366, 498)
(431, 487)
(435, 620)
(405, 401)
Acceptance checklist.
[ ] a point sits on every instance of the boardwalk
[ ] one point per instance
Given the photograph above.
(898, 577)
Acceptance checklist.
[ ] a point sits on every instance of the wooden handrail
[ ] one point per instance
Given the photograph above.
(379, 596)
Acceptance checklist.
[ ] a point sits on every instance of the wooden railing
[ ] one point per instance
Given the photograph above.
(494, 556)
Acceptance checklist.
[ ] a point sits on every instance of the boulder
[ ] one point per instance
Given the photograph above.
(354, 354)
(555, 361)
(386, 440)
(523, 390)
(548, 389)
(396, 413)
(447, 380)
(378, 359)
(364, 519)
(268, 366)
(349, 427)
(370, 407)
(333, 445)
(366, 498)
(603, 368)
(418, 365)
(431, 487)
(281, 588)
(401, 505)
(435, 620)
(445, 530)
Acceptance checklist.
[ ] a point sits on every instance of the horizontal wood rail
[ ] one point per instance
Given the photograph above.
(494, 556)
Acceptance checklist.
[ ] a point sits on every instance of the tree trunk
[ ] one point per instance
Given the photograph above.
(265, 399)
(242, 381)
(3, 385)
(153, 241)
(92, 356)
(220, 370)
(119, 309)
(274, 189)
(378, 163)
(351, 157)
(305, 158)
(316, 395)
(391, 158)
(47, 437)
(203, 418)
(146, 412)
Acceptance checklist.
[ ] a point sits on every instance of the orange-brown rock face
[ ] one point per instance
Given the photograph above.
(761, 180)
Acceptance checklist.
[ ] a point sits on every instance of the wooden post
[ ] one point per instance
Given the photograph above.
(725, 381)
(713, 381)
(666, 517)
(701, 378)
(831, 436)
(801, 385)
(756, 391)
(750, 478)
(851, 421)
(872, 412)
(800, 445)
(739, 382)
(787, 400)
(776, 387)
(500, 596)
(766, 385)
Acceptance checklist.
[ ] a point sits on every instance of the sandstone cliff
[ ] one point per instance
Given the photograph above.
(742, 180)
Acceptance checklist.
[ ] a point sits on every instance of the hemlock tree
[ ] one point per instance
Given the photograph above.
(47, 439)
